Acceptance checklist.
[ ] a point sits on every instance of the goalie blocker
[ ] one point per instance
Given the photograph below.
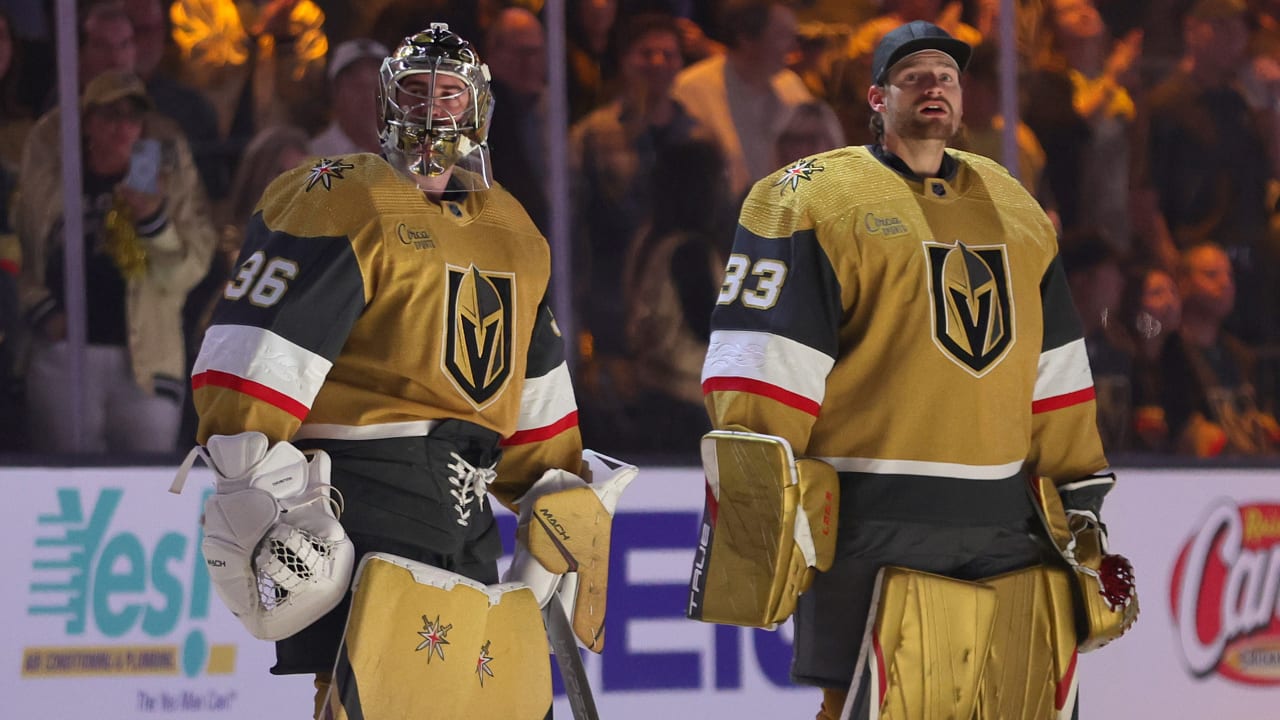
(769, 524)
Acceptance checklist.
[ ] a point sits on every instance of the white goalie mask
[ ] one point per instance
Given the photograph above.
(434, 107)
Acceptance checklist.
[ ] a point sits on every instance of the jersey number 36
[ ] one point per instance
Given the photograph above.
(263, 281)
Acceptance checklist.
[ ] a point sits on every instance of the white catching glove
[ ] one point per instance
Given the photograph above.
(562, 540)
(276, 553)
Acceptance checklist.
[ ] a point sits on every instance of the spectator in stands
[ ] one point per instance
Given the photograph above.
(107, 44)
(741, 96)
(673, 274)
(261, 62)
(12, 340)
(15, 115)
(353, 100)
(806, 131)
(185, 105)
(15, 123)
(590, 28)
(613, 151)
(1151, 311)
(270, 152)
(516, 51)
(107, 40)
(1097, 284)
(144, 248)
(1081, 106)
(12, 425)
(1208, 374)
(984, 125)
(1207, 162)
(945, 14)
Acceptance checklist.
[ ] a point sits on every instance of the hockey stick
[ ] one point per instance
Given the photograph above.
(563, 644)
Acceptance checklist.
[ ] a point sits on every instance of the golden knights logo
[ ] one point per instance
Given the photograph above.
(972, 304)
(479, 327)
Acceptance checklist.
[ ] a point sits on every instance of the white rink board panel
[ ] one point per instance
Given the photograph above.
(111, 615)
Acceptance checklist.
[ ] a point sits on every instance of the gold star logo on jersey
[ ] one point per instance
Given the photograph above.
(800, 170)
(479, 332)
(325, 172)
(972, 304)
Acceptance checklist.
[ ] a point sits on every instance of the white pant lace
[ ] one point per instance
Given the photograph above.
(470, 484)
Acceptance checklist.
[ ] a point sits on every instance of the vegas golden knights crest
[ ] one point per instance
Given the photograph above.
(480, 331)
(972, 304)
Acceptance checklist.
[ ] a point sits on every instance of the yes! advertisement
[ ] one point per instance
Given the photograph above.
(109, 610)
(110, 613)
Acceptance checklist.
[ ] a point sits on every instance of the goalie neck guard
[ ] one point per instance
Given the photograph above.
(434, 107)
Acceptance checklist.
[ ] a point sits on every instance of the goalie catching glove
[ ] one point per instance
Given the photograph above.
(1106, 595)
(276, 553)
(562, 540)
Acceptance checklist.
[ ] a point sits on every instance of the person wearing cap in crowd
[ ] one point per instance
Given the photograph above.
(148, 240)
(898, 311)
(353, 96)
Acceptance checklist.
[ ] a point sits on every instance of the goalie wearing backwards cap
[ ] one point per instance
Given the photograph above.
(906, 454)
(383, 358)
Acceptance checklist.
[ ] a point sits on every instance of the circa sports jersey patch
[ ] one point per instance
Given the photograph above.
(325, 172)
(800, 170)
(972, 304)
(480, 330)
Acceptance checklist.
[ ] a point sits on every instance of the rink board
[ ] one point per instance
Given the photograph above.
(110, 613)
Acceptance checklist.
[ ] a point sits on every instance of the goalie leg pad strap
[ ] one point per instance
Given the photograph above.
(420, 638)
(769, 523)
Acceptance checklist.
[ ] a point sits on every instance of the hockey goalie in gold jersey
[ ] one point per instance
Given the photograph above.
(896, 316)
(383, 359)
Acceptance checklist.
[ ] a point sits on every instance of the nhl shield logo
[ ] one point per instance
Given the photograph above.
(479, 331)
(972, 304)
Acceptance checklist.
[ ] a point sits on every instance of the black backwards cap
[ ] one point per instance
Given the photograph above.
(911, 38)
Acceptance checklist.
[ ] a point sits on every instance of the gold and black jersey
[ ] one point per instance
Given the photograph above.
(903, 326)
(360, 310)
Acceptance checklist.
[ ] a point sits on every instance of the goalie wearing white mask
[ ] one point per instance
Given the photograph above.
(389, 315)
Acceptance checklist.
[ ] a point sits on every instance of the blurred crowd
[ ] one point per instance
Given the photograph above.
(1148, 129)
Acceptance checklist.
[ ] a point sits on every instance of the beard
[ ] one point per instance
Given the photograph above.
(918, 128)
(911, 125)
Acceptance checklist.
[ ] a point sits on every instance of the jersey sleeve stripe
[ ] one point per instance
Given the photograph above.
(261, 358)
(792, 369)
(546, 400)
(1061, 401)
(763, 389)
(215, 378)
(524, 437)
(1063, 371)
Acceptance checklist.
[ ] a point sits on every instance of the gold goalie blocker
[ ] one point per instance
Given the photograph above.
(769, 524)
(426, 642)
